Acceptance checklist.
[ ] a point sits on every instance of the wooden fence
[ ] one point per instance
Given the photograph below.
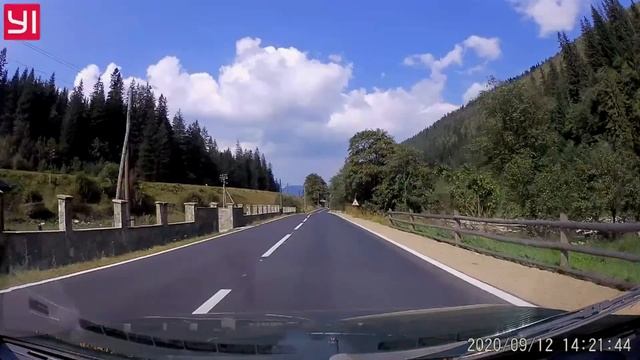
(464, 225)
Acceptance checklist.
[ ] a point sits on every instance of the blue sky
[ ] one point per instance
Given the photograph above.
(298, 78)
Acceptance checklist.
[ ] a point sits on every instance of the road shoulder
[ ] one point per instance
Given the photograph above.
(540, 287)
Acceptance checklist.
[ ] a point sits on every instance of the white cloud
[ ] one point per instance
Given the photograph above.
(474, 90)
(90, 73)
(551, 15)
(336, 58)
(292, 105)
(486, 48)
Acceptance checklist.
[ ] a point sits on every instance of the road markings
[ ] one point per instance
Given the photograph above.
(62, 277)
(211, 302)
(275, 246)
(298, 227)
(473, 281)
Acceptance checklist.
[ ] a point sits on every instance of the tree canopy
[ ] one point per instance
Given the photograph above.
(46, 128)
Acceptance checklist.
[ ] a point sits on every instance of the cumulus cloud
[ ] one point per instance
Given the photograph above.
(486, 48)
(551, 15)
(294, 106)
(89, 76)
(474, 90)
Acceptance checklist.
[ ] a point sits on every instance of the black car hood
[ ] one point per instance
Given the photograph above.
(296, 335)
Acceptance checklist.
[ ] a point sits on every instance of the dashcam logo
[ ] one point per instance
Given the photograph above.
(22, 21)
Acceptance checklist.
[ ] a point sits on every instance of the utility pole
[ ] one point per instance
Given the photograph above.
(223, 178)
(123, 171)
(304, 199)
(280, 186)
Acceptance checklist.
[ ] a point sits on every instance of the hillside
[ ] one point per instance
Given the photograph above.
(32, 198)
(563, 137)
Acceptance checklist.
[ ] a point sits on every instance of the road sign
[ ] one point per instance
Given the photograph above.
(355, 202)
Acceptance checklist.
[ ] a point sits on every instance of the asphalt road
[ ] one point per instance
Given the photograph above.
(296, 264)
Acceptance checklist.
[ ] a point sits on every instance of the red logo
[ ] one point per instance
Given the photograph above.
(22, 21)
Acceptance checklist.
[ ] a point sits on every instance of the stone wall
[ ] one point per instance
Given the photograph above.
(47, 249)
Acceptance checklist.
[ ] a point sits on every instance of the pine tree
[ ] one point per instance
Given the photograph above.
(71, 134)
(115, 115)
(573, 67)
(98, 125)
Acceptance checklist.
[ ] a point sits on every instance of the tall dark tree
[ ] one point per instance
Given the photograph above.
(71, 136)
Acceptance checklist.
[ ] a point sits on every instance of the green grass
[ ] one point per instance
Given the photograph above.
(613, 268)
(367, 215)
(49, 185)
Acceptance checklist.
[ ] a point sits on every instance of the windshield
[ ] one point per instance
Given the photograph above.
(319, 178)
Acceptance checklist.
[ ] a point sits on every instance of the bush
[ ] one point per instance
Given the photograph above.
(87, 189)
(212, 197)
(142, 203)
(80, 208)
(196, 197)
(32, 196)
(37, 210)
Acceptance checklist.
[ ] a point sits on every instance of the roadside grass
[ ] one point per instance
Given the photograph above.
(27, 276)
(367, 215)
(614, 268)
(48, 185)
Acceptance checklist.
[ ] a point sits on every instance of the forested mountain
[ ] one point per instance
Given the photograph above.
(563, 137)
(46, 128)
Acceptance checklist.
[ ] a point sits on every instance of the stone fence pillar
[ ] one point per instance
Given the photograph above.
(65, 215)
(162, 217)
(190, 211)
(120, 213)
(213, 204)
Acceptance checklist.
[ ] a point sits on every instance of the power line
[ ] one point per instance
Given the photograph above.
(51, 56)
(20, 63)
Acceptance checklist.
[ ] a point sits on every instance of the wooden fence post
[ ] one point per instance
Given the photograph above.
(456, 235)
(564, 254)
(413, 226)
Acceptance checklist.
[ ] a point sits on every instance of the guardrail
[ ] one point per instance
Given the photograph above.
(409, 222)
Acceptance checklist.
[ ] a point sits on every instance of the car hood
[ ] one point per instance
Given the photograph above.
(302, 334)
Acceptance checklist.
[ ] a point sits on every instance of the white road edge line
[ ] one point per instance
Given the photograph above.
(211, 302)
(22, 286)
(473, 281)
(298, 227)
(275, 246)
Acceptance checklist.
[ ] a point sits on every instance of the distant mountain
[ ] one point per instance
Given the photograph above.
(294, 190)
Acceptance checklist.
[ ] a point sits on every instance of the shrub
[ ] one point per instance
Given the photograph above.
(212, 197)
(87, 189)
(32, 196)
(37, 210)
(142, 203)
(82, 209)
(193, 196)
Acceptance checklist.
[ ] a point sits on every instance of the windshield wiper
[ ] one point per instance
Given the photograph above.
(560, 324)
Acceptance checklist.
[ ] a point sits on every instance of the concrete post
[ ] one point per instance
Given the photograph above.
(564, 239)
(1, 211)
(120, 214)
(254, 210)
(190, 211)
(65, 215)
(162, 217)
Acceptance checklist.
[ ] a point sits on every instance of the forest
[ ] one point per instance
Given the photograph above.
(563, 137)
(46, 128)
